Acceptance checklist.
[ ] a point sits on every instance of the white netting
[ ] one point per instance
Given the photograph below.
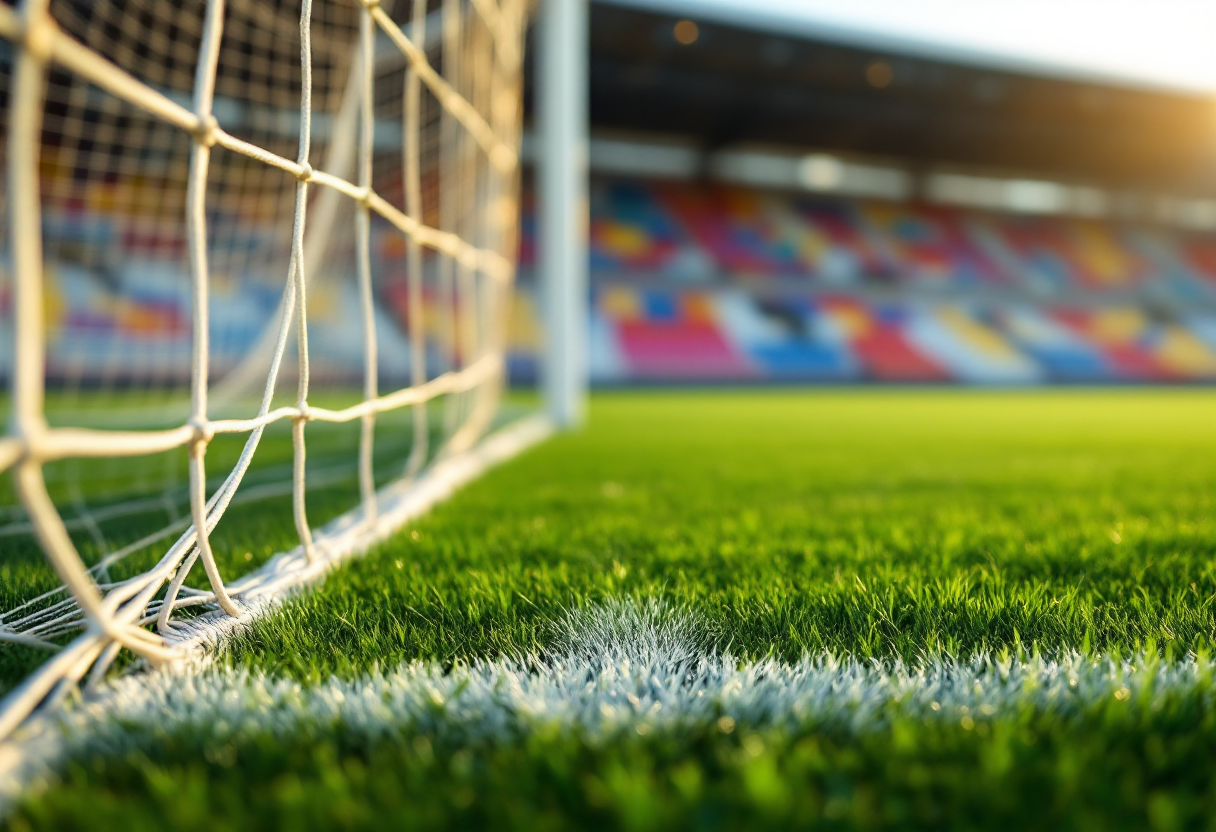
(195, 171)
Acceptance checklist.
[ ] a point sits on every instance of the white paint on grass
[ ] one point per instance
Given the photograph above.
(625, 666)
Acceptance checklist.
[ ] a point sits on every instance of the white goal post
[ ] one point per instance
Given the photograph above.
(562, 116)
(406, 124)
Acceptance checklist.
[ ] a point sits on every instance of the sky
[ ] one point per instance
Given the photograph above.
(1151, 43)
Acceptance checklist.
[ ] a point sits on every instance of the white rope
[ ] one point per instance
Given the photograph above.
(363, 245)
(481, 113)
(196, 224)
(413, 207)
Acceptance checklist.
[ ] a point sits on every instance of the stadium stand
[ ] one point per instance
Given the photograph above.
(717, 283)
(701, 282)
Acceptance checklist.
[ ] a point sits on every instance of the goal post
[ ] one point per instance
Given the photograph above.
(561, 169)
(204, 137)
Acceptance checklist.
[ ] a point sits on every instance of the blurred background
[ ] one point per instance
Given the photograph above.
(934, 191)
(792, 191)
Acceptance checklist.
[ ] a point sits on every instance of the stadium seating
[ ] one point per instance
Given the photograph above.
(701, 231)
(713, 283)
(734, 335)
(708, 283)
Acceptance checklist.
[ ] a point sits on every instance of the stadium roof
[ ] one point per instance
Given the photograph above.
(1163, 44)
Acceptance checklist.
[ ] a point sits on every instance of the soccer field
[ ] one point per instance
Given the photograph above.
(931, 609)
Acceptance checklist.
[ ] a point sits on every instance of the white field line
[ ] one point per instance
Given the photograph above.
(622, 667)
(260, 591)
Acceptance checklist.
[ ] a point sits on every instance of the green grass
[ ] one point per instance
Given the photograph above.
(1104, 771)
(875, 524)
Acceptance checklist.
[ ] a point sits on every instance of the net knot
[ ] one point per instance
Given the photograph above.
(207, 131)
(305, 414)
(38, 36)
(305, 173)
(203, 431)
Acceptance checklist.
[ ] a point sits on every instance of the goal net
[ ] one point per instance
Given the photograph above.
(231, 225)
